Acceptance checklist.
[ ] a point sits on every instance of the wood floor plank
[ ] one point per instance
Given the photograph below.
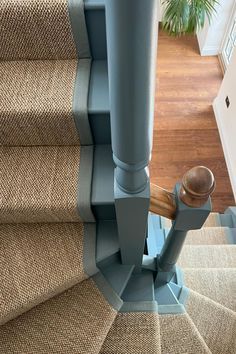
(185, 130)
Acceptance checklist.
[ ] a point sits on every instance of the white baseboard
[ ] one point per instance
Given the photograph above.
(225, 149)
(209, 51)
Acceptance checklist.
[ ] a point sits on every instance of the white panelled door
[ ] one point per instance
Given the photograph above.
(229, 42)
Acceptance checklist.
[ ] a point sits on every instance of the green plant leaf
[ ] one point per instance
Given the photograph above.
(187, 16)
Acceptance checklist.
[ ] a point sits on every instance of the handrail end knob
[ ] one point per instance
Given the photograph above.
(197, 186)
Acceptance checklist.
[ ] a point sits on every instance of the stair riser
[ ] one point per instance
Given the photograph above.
(95, 20)
(102, 197)
(101, 129)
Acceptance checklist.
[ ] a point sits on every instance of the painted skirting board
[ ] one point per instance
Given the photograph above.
(210, 51)
(232, 173)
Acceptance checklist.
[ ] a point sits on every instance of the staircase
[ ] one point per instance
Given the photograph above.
(65, 287)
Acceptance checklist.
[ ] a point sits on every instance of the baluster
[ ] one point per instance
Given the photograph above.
(193, 205)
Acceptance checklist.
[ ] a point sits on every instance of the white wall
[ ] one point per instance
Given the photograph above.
(226, 118)
(211, 36)
(161, 10)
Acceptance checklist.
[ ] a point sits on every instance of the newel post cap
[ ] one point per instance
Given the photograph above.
(197, 186)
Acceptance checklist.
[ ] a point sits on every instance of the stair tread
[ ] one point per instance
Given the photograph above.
(216, 324)
(45, 184)
(36, 106)
(205, 256)
(77, 320)
(179, 335)
(39, 261)
(135, 332)
(208, 236)
(38, 30)
(218, 285)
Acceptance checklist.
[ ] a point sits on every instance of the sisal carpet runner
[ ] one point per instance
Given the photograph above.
(50, 298)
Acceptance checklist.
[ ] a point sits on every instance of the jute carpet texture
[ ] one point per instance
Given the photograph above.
(204, 256)
(36, 103)
(39, 184)
(179, 335)
(36, 29)
(208, 236)
(76, 321)
(216, 324)
(38, 261)
(134, 333)
(218, 284)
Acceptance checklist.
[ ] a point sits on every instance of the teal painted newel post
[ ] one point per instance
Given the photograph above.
(131, 42)
(193, 205)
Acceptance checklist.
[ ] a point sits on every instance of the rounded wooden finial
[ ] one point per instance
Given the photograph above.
(197, 185)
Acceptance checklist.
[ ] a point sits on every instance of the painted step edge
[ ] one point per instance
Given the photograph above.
(140, 287)
(117, 275)
(107, 243)
(226, 220)
(231, 211)
(94, 4)
(98, 103)
(98, 100)
(102, 194)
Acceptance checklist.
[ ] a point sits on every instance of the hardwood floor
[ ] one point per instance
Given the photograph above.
(185, 130)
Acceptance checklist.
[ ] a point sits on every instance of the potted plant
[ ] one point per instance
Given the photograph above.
(186, 16)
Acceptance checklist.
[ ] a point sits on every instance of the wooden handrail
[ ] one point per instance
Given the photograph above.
(162, 202)
(197, 185)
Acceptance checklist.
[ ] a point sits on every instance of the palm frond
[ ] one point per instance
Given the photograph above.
(187, 16)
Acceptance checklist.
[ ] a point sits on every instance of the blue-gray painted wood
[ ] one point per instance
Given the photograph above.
(131, 42)
(110, 295)
(94, 4)
(140, 287)
(176, 289)
(226, 220)
(100, 128)
(98, 103)
(132, 214)
(165, 296)
(170, 309)
(231, 211)
(89, 249)
(232, 236)
(78, 26)
(96, 27)
(107, 239)
(179, 277)
(117, 275)
(183, 297)
(156, 237)
(139, 306)
(186, 219)
(149, 263)
(171, 249)
(102, 196)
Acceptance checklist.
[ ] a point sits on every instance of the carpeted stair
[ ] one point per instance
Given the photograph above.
(58, 292)
(76, 321)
